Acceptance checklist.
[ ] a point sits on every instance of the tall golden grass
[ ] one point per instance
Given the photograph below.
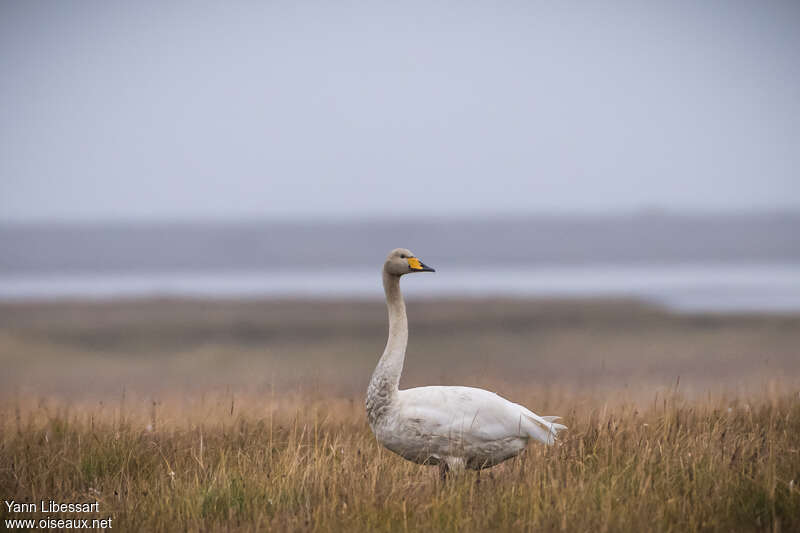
(254, 462)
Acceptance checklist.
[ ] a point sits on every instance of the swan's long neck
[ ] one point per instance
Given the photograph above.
(385, 380)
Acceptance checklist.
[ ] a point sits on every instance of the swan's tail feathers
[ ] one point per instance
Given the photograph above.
(555, 428)
(544, 429)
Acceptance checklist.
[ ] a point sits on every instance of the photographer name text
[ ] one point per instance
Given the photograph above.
(51, 506)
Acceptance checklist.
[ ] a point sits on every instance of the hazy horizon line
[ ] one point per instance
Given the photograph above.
(254, 218)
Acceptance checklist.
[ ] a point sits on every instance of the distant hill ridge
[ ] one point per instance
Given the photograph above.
(654, 238)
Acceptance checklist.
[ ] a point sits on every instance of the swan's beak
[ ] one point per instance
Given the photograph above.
(418, 266)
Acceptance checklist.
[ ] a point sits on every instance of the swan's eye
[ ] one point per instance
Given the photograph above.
(402, 256)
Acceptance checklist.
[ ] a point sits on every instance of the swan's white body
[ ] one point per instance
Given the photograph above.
(455, 427)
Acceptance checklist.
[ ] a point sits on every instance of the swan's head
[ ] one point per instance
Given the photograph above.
(401, 261)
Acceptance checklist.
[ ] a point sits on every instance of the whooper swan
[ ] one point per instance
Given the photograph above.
(453, 427)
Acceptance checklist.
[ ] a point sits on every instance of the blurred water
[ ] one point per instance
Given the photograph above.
(712, 261)
(744, 287)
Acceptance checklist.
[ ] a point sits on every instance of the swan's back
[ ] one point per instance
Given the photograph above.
(479, 413)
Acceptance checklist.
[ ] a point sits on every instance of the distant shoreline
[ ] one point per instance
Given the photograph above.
(714, 262)
(715, 288)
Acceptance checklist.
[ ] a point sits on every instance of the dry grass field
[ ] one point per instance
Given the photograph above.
(248, 415)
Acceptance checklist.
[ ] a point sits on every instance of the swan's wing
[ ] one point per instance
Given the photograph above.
(478, 413)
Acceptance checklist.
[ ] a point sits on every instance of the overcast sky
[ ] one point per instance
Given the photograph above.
(172, 110)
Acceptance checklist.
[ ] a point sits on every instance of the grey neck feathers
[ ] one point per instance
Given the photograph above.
(385, 380)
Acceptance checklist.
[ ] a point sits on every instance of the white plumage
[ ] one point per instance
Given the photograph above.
(454, 427)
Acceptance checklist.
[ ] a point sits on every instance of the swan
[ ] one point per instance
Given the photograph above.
(452, 427)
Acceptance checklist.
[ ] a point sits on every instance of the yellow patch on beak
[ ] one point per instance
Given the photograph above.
(414, 263)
